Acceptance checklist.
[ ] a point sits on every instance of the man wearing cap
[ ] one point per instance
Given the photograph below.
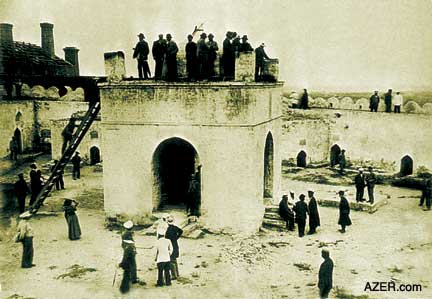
(325, 275)
(286, 213)
(245, 46)
(25, 236)
(163, 253)
(212, 55)
(301, 211)
(344, 211)
(76, 165)
(158, 51)
(314, 219)
(203, 57)
(374, 102)
(141, 52)
(21, 190)
(173, 233)
(228, 57)
(359, 181)
(191, 58)
(128, 232)
(128, 264)
(171, 58)
(370, 179)
(260, 56)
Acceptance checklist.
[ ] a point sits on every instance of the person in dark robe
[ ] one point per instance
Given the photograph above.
(193, 194)
(173, 233)
(236, 43)
(191, 58)
(212, 56)
(171, 58)
(245, 47)
(67, 133)
(314, 219)
(260, 57)
(301, 211)
(59, 183)
(304, 100)
(325, 275)
(21, 190)
(344, 211)
(158, 51)
(342, 161)
(286, 213)
(25, 236)
(13, 148)
(203, 57)
(74, 229)
(128, 264)
(76, 166)
(370, 179)
(388, 101)
(360, 183)
(426, 195)
(141, 52)
(228, 57)
(374, 102)
(35, 183)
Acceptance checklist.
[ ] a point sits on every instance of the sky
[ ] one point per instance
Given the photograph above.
(327, 45)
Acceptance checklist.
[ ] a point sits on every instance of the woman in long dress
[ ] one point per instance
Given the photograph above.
(25, 236)
(69, 207)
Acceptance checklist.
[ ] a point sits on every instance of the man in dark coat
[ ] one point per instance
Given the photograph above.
(314, 219)
(141, 52)
(203, 58)
(128, 264)
(301, 211)
(173, 233)
(21, 190)
(260, 56)
(325, 275)
(374, 102)
(360, 183)
(212, 55)
(388, 101)
(426, 195)
(128, 235)
(304, 100)
(342, 161)
(158, 51)
(194, 196)
(68, 133)
(370, 179)
(191, 58)
(171, 58)
(13, 148)
(35, 183)
(236, 43)
(59, 183)
(286, 213)
(344, 211)
(76, 165)
(228, 57)
(245, 46)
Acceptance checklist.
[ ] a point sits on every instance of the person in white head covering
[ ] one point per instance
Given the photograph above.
(162, 225)
(128, 264)
(25, 236)
(163, 254)
(127, 237)
(173, 233)
(128, 232)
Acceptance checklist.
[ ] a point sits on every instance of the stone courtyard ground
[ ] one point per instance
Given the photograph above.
(392, 244)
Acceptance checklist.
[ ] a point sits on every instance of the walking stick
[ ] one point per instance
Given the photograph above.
(115, 275)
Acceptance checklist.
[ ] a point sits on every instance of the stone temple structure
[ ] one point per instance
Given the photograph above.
(155, 134)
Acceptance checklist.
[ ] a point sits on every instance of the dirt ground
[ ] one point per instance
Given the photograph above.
(393, 244)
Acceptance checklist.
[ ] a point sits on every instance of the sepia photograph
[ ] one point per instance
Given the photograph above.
(203, 149)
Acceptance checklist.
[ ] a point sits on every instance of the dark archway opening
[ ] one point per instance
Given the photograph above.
(94, 155)
(301, 159)
(174, 162)
(18, 138)
(406, 166)
(268, 167)
(334, 155)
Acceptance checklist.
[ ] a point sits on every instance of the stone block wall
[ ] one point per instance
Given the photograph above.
(245, 67)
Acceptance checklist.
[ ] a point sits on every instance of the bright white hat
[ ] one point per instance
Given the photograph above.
(128, 241)
(26, 214)
(311, 190)
(128, 224)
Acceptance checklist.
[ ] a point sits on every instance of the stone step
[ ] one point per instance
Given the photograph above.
(274, 223)
(272, 209)
(272, 215)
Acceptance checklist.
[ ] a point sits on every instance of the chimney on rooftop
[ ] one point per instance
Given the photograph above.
(71, 56)
(6, 37)
(47, 38)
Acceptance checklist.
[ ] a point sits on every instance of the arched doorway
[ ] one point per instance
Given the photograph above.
(174, 162)
(94, 155)
(18, 138)
(406, 166)
(334, 155)
(268, 167)
(301, 159)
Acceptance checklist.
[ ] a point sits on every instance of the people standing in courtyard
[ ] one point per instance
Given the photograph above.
(325, 275)
(191, 58)
(286, 213)
(260, 57)
(25, 236)
(228, 57)
(374, 102)
(212, 55)
(163, 258)
(314, 219)
(59, 183)
(370, 179)
(74, 229)
(171, 58)
(397, 102)
(128, 264)
(173, 233)
(301, 211)
(21, 190)
(360, 183)
(388, 101)
(67, 133)
(426, 195)
(76, 166)
(35, 183)
(344, 211)
(141, 52)
(158, 51)
(13, 148)
(304, 100)
(341, 161)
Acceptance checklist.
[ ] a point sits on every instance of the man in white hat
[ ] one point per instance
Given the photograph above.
(76, 165)
(163, 258)
(360, 184)
(25, 236)
(260, 57)
(128, 264)
(127, 233)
